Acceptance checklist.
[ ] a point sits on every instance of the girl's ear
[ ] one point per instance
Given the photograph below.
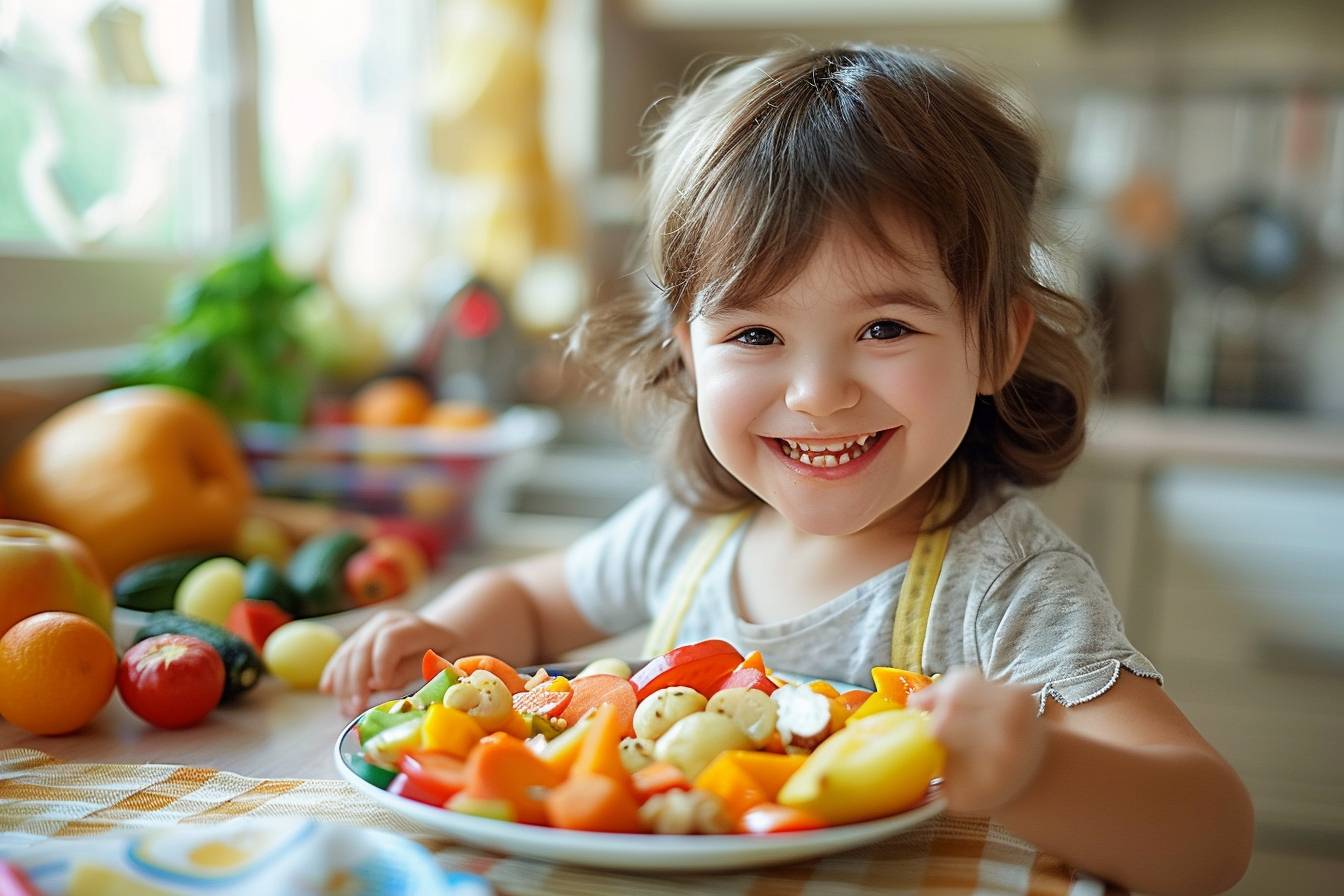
(1019, 333)
(682, 333)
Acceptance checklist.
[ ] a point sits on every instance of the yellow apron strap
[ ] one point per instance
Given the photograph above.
(663, 633)
(911, 621)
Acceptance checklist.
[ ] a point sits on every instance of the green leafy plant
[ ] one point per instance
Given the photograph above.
(232, 337)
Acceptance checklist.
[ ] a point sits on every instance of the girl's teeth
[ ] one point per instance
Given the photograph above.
(799, 452)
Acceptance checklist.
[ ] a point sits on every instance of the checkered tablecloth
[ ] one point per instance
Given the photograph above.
(42, 798)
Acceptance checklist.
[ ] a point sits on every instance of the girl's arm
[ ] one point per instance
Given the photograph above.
(1122, 786)
(520, 612)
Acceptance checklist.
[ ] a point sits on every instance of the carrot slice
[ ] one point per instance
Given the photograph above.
(588, 802)
(594, 690)
(495, 666)
(432, 664)
(658, 777)
(503, 768)
(600, 752)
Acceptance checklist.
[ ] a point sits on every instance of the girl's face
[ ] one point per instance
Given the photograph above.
(836, 399)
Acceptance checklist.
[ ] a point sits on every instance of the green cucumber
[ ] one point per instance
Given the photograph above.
(434, 689)
(375, 721)
(375, 774)
(263, 581)
(151, 586)
(317, 572)
(242, 666)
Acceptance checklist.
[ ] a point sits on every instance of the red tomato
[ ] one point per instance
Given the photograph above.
(254, 620)
(771, 818)
(749, 678)
(171, 681)
(430, 777)
(702, 666)
(372, 577)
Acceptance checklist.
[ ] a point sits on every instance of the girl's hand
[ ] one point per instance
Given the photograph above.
(993, 739)
(384, 653)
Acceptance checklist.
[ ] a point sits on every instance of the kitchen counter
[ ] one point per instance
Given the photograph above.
(1142, 435)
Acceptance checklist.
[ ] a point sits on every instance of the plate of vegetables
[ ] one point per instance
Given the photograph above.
(698, 760)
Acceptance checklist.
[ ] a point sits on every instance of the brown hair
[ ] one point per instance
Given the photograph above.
(746, 172)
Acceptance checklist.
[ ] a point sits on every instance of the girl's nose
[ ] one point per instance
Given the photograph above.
(821, 390)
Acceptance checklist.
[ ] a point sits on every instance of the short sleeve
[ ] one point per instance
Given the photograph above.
(1048, 621)
(617, 572)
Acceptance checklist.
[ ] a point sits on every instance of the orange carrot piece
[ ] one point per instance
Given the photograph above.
(495, 666)
(432, 664)
(600, 752)
(503, 768)
(588, 802)
(658, 777)
(594, 690)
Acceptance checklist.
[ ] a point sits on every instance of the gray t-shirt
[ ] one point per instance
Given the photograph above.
(1016, 599)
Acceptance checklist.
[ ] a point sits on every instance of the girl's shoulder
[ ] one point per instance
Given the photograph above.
(1007, 527)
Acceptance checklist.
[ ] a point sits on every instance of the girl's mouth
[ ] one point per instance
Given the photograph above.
(831, 459)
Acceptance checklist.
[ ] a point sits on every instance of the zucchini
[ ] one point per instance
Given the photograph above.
(263, 581)
(152, 585)
(317, 572)
(242, 666)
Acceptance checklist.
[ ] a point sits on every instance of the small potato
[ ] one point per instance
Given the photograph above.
(606, 666)
(662, 709)
(692, 743)
(752, 709)
(636, 752)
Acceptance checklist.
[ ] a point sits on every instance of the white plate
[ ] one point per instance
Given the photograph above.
(636, 852)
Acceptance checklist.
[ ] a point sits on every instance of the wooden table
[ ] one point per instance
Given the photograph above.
(269, 732)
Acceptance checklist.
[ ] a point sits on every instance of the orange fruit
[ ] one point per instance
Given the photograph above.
(391, 401)
(458, 415)
(56, 671)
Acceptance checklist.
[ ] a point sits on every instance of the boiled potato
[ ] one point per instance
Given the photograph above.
(662, 709)
(210, 590)
(606, 666)
(752, 709)
(692, 743)
(297, 652)
(636, 753)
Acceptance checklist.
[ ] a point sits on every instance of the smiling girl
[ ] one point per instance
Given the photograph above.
(851, 366)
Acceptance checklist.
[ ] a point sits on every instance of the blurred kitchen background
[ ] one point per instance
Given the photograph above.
(455, 179)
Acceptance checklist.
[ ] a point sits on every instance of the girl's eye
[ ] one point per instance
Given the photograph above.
(885, 329)
(755, 336)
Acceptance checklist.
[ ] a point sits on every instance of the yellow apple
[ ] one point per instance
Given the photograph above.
(43, 569)
(873, 767)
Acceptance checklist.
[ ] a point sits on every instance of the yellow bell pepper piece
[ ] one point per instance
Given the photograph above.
(518, 726)
(878, 702)
(450, 731)
(730, 782)
(769, 770)
(823, 688)
(898, 684)
(559, 683)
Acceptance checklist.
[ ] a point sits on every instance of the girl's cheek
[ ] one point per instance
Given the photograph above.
(728, 402)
